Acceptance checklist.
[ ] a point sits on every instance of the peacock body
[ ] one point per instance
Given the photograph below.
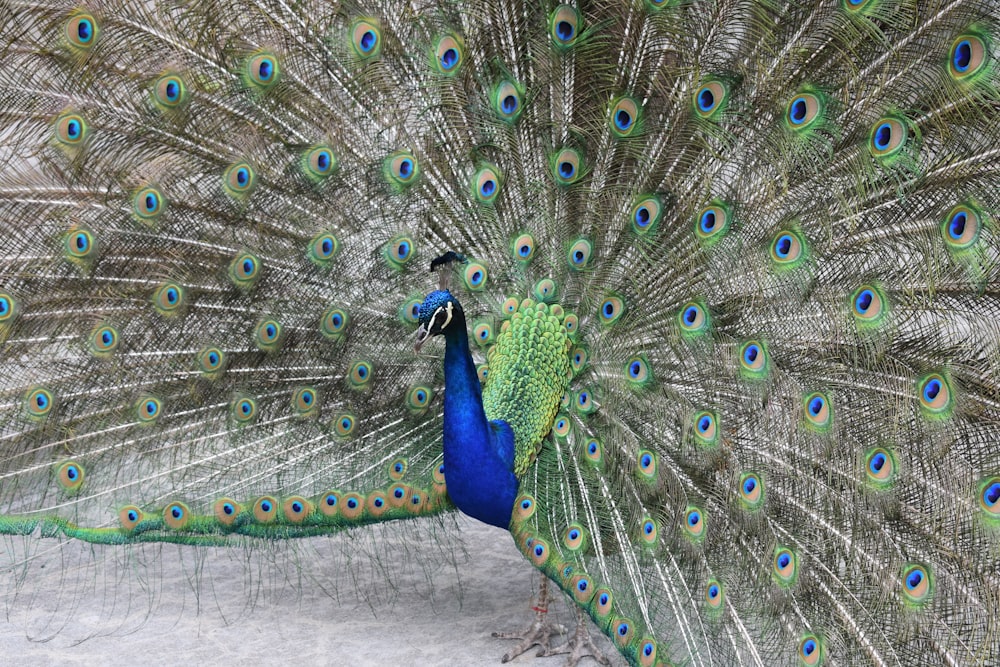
(721, 348)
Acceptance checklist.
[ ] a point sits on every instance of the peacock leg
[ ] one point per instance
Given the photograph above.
(540, 633)
(580, 645)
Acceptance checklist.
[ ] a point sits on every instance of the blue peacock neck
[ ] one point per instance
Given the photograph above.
(478, 454)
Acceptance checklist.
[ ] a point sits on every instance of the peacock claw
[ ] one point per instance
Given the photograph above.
(539, 634)
(580, 645)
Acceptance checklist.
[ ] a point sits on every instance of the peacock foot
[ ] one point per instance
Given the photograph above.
(581, 645)
(541, 631)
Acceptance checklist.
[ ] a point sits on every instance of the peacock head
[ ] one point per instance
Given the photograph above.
(437, 313)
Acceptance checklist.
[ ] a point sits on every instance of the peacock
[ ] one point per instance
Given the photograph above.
(697, 299)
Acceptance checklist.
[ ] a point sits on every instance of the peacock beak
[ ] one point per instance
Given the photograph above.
(423, 333)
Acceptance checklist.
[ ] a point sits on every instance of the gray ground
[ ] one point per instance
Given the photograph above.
(438, 610)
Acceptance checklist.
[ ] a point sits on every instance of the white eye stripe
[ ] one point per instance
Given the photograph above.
(448, 314)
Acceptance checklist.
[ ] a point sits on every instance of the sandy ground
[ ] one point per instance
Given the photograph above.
(438, 610)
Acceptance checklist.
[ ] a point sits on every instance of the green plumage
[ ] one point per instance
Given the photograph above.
(528, 375)
(755, 402)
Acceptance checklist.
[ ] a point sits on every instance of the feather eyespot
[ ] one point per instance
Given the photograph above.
(70, 476)
(409, 312)
(475, 276)
(397, 469)
(545, 290)
(261, 70)
(751, 490)
(176, 515)
(961, 227)
(788, 249)
(482, 372)
(265, 510)
(646, 214)
(564, 26)
(611, 309)
(712, 223)
(352, 505)
(8, 308)
(148, 204)
(593, 452)
(888, 137)
(784, 566)
(637, 372)
(148, 409)
(566, 166)
(810, 650)
(245, 270)
(578, 359)
(562, 426)
(486, 184)
(38, 402)
(296, 509)
(226, 510)
(753, 359)
(70, 129)
(624, 117)
(803, 111)
(819, 411)
(269, 335)
(81, 31)
(401, 169)
(989, 497)
(524, 507)
(449, 54)
(482, 331)
(319, 162)
(169, 92)
(334, 322)
(539, 552)
(366, 37)
(710, 99)
(360, 374)
(693, 319)
(917, 583)
(130, 516)
(869, 306)
(602, 602)
(239, 180)
(646, 464)
(103, 340)
(400, 251)
(694, 523)
(857, 5)
(418, 398)
(523, 249)
(243, 409)
(622, 632)
(574, 537)
(714, 594)
(706, 428)
(582, 589)
(935, 395)
(585, 402)
(647, 653)
(399, 496)
(880, 466)
(648, 532)
(81, 246)
(578, 256)
(507, 101)
(329, 503)
(967, 57)
(344, 424)
(211, 362)
(323, 248)
(305, 402)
